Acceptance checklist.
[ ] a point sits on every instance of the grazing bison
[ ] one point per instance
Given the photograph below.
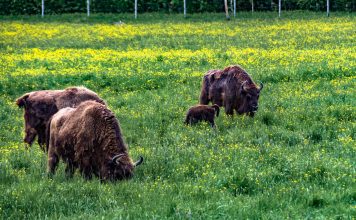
(41, 105)
(202, 113)
(232, 88)
(89, 138)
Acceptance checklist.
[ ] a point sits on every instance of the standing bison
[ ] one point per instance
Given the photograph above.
(89, 138)
(232, 88)
(41, 105)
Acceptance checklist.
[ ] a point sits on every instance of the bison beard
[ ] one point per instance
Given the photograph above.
(232, 88)
(202, 113)
(41, 105)
(89, 138)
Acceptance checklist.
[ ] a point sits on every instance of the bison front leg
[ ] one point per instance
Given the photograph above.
(229, 110)
(87, 174)
(192, 121)
(187, 120)
(29, 136)
(86, 169)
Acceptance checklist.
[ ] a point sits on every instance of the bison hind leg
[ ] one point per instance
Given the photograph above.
(69, 170)
(53, 160)
(212, 123)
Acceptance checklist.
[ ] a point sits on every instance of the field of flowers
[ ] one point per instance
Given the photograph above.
(295, 159)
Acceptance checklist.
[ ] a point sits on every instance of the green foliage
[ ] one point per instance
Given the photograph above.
(294, 159)
(193, 6)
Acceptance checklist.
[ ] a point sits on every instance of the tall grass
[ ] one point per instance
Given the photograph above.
(294, 159)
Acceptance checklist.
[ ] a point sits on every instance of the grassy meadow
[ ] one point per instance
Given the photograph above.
(295, 159)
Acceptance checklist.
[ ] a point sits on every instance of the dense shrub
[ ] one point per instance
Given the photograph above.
(119, 6)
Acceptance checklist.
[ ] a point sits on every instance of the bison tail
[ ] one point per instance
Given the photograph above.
(204, 95)
(217, 109)
(204, 100)
(21, 102)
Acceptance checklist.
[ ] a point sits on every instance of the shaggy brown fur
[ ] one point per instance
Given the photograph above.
(41, 105)
(202, 113)
(232, 88)
(89, 138)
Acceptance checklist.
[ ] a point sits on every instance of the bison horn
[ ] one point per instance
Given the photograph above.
(139, 161)
(116, 158)
(261, 86)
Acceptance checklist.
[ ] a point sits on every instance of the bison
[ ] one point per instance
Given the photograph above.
(41, 105)
(202, 113)
(89, 138)
(232, 88)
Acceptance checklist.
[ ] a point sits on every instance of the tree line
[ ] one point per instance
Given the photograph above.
(15, 7)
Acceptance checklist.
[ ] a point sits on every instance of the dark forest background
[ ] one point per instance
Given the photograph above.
(14, 7)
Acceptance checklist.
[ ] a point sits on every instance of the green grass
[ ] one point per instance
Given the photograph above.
(294, 159)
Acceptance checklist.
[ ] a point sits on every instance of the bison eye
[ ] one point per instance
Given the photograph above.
(248, 96)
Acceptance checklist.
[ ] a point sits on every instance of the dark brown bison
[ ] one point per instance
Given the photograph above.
(89, 138)
(232, 88)
(202, 113)
(41, 105)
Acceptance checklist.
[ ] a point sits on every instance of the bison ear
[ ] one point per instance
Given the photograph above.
(22, 101)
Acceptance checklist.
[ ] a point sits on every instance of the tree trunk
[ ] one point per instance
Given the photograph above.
(279, 7)
(253, 9)
(327, 8)
(42, 9)
(88, 8)
(185, 8)
(226, 10)
(135, 9)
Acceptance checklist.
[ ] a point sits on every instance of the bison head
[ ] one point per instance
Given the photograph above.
(121, 167)
(249, 99)
(37, 113)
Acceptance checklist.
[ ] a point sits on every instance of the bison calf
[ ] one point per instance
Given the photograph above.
(89, 138)
(202, 113)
